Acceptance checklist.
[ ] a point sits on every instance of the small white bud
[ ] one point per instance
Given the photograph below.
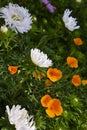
(4, 29)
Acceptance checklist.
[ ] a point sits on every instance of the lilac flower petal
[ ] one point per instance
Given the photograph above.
(51, 7)
(45, 1)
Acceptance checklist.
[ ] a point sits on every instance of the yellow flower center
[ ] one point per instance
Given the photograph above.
(15, 17)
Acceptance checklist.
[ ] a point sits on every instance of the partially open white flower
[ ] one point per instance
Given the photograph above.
(40, 59)
(16, 17)
(4, 29)
(20, 118)
(69, 21)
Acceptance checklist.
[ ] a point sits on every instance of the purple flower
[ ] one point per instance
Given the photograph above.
(45, 2)
(51, 8)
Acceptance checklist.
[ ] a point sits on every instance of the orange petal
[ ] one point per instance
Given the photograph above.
(50, 113)
(59, 112)
(84, 82)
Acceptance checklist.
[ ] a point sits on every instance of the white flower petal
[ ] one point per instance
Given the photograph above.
(69, 21)
(40, 59)
(16, 17)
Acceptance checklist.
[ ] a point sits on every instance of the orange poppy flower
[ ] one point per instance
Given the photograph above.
(45, 99)
(84, 82)
(76, 80)
(54, 74)
(13, 69)
(78, 41)
(72, 62)
(48, 82)
(54, 108)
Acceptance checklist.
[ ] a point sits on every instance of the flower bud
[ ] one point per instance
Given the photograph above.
(4, 29)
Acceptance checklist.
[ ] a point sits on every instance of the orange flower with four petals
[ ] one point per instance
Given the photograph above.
(78, 41)
(54, 108)
(54, 74)
(72, 62)
(76, 80)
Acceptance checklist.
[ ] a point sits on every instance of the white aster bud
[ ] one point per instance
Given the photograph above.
(4, 29)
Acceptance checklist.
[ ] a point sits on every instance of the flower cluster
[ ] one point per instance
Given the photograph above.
(33, 73)
(53, 106)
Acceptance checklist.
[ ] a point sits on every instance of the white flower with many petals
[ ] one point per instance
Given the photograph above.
(16, 17)
(69, 21)
(40, 59)
(20, 118)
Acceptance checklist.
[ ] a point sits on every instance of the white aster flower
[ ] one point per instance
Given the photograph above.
(20, 118)
(4, 29)
(16, 17)
(69, 21)
(40, 59)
